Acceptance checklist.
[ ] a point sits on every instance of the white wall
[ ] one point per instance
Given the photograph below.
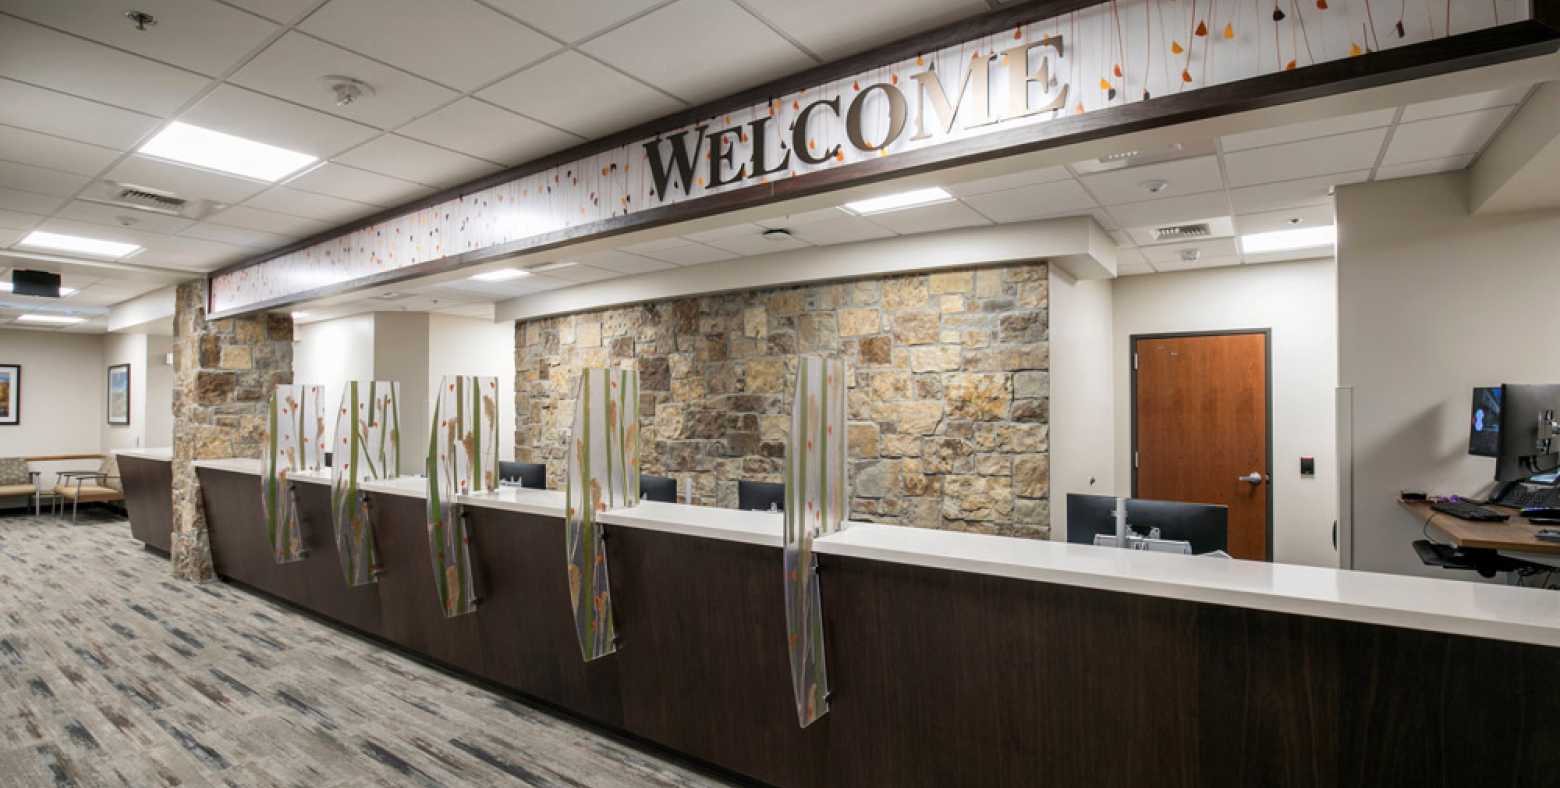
(1298, 301)
(332, 352)
(1083, 429)
(401, 346)
(158, 402)
(1433, 302)
(126, 349)
(63, 399)
(466, 346)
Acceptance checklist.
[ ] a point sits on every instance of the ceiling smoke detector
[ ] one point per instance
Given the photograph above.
(1156, 185)
(1190, 255)
(347, 89)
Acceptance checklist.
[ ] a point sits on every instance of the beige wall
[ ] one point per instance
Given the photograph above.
(1432, 303)
(468, 346)
(63, 400)
(158, 399)
(1082, 383)
(126, 349)
(331, 353)
(1297, 301)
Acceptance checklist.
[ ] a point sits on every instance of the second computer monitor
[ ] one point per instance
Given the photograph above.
(760, 496)
(657, 488)
(1205, 526)
(1526, 446)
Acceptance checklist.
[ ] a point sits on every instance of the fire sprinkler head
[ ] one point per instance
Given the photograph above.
(347, 89)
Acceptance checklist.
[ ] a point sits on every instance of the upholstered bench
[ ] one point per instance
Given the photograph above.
(16, 481)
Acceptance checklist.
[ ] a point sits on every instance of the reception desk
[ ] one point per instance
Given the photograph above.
(147, 475)
(954, 659)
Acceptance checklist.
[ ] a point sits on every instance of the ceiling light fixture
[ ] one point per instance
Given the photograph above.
(898, 202)
(53, 320)
(776, 234)
(558, 266)
(5, 287)
(214, 150)
(501, 275)
(39, 239)
(1287, 240)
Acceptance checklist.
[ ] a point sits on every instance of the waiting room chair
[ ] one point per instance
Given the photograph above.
(100, 486)
(16, 481)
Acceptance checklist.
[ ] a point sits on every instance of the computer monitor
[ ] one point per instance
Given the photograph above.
(1205, 526)
(1484, 422)
(1529, 443)
(757, 496)
(528, 474)
(657, 488)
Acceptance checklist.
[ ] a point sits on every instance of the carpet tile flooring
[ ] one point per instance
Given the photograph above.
(114, 674)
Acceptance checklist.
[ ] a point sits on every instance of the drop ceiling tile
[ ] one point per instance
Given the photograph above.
(1187, 176)
(1275, 221)
(551, 91)
(1296, 132)
(1341, 153)
(8, 237)
(578, 275)
(350, 183)
(573, 20)
(833, 29)
(1288, 194)
(1040, 201)
(1453, 135)
(1410, 169)
(49, 59)
(245, 113)
(195, 34)
(37, 179)
(720, 48)
(114, 214)
(283, 11)
(1472, 102)
(293, 68)
(29, 202)
(74, 118)
(57, 153)
(191, 253)
(484, 130)
(268, 221)
(103, 232)
(416, 161)
(943, 216)
(1156, 213)
(792, 221)
(1011, 180)
(840, 229)
(679, 252)
(746, 240)
(623, 262)
(188, 182)
(1170, 254)
(459, 43)
(237, 236)
(320, 207)
(19, 220)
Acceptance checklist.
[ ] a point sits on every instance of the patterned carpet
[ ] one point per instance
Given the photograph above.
(112, 673)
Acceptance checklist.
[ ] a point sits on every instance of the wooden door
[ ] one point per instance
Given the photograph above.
(1201, 428)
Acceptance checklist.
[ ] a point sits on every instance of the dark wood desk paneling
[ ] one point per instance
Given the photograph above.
(328, 593)
(704, 663)
(412, 614)
(149, 499)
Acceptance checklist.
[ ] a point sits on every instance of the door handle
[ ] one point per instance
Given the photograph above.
(1254, 478)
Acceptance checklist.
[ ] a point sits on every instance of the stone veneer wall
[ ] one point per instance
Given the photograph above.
(948, 390)
(223, 373)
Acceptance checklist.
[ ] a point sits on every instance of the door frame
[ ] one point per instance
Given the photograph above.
(1267, 346)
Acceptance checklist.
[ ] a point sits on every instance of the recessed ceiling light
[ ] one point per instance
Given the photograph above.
(558, 266)
(75, 243)
(5, 287)
(501, 275)
(299, 315)
(898, 202)
(1286, 240)
(54, 320)
(182, 142)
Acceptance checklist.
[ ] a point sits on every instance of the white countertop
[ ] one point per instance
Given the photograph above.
(1524, 615)
(146, 454)
(732, 525)
(233, 464)
(549, 503)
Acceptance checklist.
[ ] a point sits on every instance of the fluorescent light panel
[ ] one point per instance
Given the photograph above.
(501, 275)
(899, 202)
(214, 150)
(75, 243)
(1287, 240)
(5, 287)
(53, 320)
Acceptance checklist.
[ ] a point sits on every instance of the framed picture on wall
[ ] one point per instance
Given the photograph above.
(119, 394)
(10, 394)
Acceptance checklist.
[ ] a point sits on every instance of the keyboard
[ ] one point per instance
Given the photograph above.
(1523, 496)
(1467, 511)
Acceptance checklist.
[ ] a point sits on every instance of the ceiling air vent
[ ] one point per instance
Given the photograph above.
(1182, 232)
(147, 198)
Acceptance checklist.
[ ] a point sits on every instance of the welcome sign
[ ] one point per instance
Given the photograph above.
(1106, 56)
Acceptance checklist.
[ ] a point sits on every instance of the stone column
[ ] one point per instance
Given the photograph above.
(224, 370)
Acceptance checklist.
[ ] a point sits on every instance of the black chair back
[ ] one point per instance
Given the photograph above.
(657, 488)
